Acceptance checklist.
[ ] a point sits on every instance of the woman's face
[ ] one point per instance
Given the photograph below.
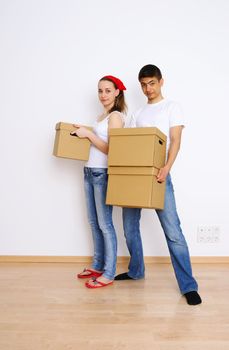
(107, 93)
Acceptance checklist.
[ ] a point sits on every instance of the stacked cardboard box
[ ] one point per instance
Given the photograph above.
(69, 146)
(134, 159)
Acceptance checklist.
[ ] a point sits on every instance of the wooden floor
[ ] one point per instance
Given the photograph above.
(42, 306)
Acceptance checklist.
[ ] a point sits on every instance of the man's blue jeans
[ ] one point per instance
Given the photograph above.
(175, 239)
(100, 220)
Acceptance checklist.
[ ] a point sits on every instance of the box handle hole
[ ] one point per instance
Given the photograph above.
(73, 134)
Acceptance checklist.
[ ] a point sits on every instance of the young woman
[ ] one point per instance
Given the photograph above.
(102, 272)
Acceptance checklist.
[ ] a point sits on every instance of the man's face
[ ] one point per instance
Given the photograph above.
(151, 87)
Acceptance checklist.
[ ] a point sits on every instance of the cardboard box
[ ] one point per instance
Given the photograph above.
(134, 159)
(135, 187)
(68, 146)
(137, 147)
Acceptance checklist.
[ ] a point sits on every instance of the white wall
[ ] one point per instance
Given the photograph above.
(52, 54)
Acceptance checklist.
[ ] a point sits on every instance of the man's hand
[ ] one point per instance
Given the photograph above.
(162, 174)
(175, 140)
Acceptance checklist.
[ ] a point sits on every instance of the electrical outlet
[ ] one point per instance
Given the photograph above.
(208, 234)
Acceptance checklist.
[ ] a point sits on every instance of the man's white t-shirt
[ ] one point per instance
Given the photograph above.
(163, 115)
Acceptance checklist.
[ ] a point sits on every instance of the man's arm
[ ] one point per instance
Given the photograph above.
(175, 141)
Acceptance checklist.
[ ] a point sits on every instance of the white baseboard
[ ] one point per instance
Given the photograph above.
(121, 259)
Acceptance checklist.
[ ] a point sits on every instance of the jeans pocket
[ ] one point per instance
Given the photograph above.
(100, 179)
(99, 172)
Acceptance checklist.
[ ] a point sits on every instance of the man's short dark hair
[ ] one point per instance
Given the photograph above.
(149, 71)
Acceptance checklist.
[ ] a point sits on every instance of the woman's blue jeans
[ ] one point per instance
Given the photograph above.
(175, 240)
(100, 220)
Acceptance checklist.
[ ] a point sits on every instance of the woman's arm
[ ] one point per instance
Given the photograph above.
(115, 121)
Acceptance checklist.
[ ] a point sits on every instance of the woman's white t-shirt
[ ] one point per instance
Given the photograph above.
(98, 159)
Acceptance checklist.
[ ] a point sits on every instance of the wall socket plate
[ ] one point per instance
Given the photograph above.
(208, 234)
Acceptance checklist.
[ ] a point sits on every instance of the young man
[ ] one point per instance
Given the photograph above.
(166, 116)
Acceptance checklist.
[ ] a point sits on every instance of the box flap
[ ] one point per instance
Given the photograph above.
(64, 126)
(132, 170)
(137, 131)
(69, 126)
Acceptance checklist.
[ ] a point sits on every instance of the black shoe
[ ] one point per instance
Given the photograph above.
(193, 298)
(122, 277)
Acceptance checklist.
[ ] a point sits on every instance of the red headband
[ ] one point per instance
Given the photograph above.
(117, 82)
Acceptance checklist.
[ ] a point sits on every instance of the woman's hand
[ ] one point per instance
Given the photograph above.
(76, 125)
(81, 131)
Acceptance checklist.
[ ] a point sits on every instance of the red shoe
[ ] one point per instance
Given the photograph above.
(97, 284)
(90, 274)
